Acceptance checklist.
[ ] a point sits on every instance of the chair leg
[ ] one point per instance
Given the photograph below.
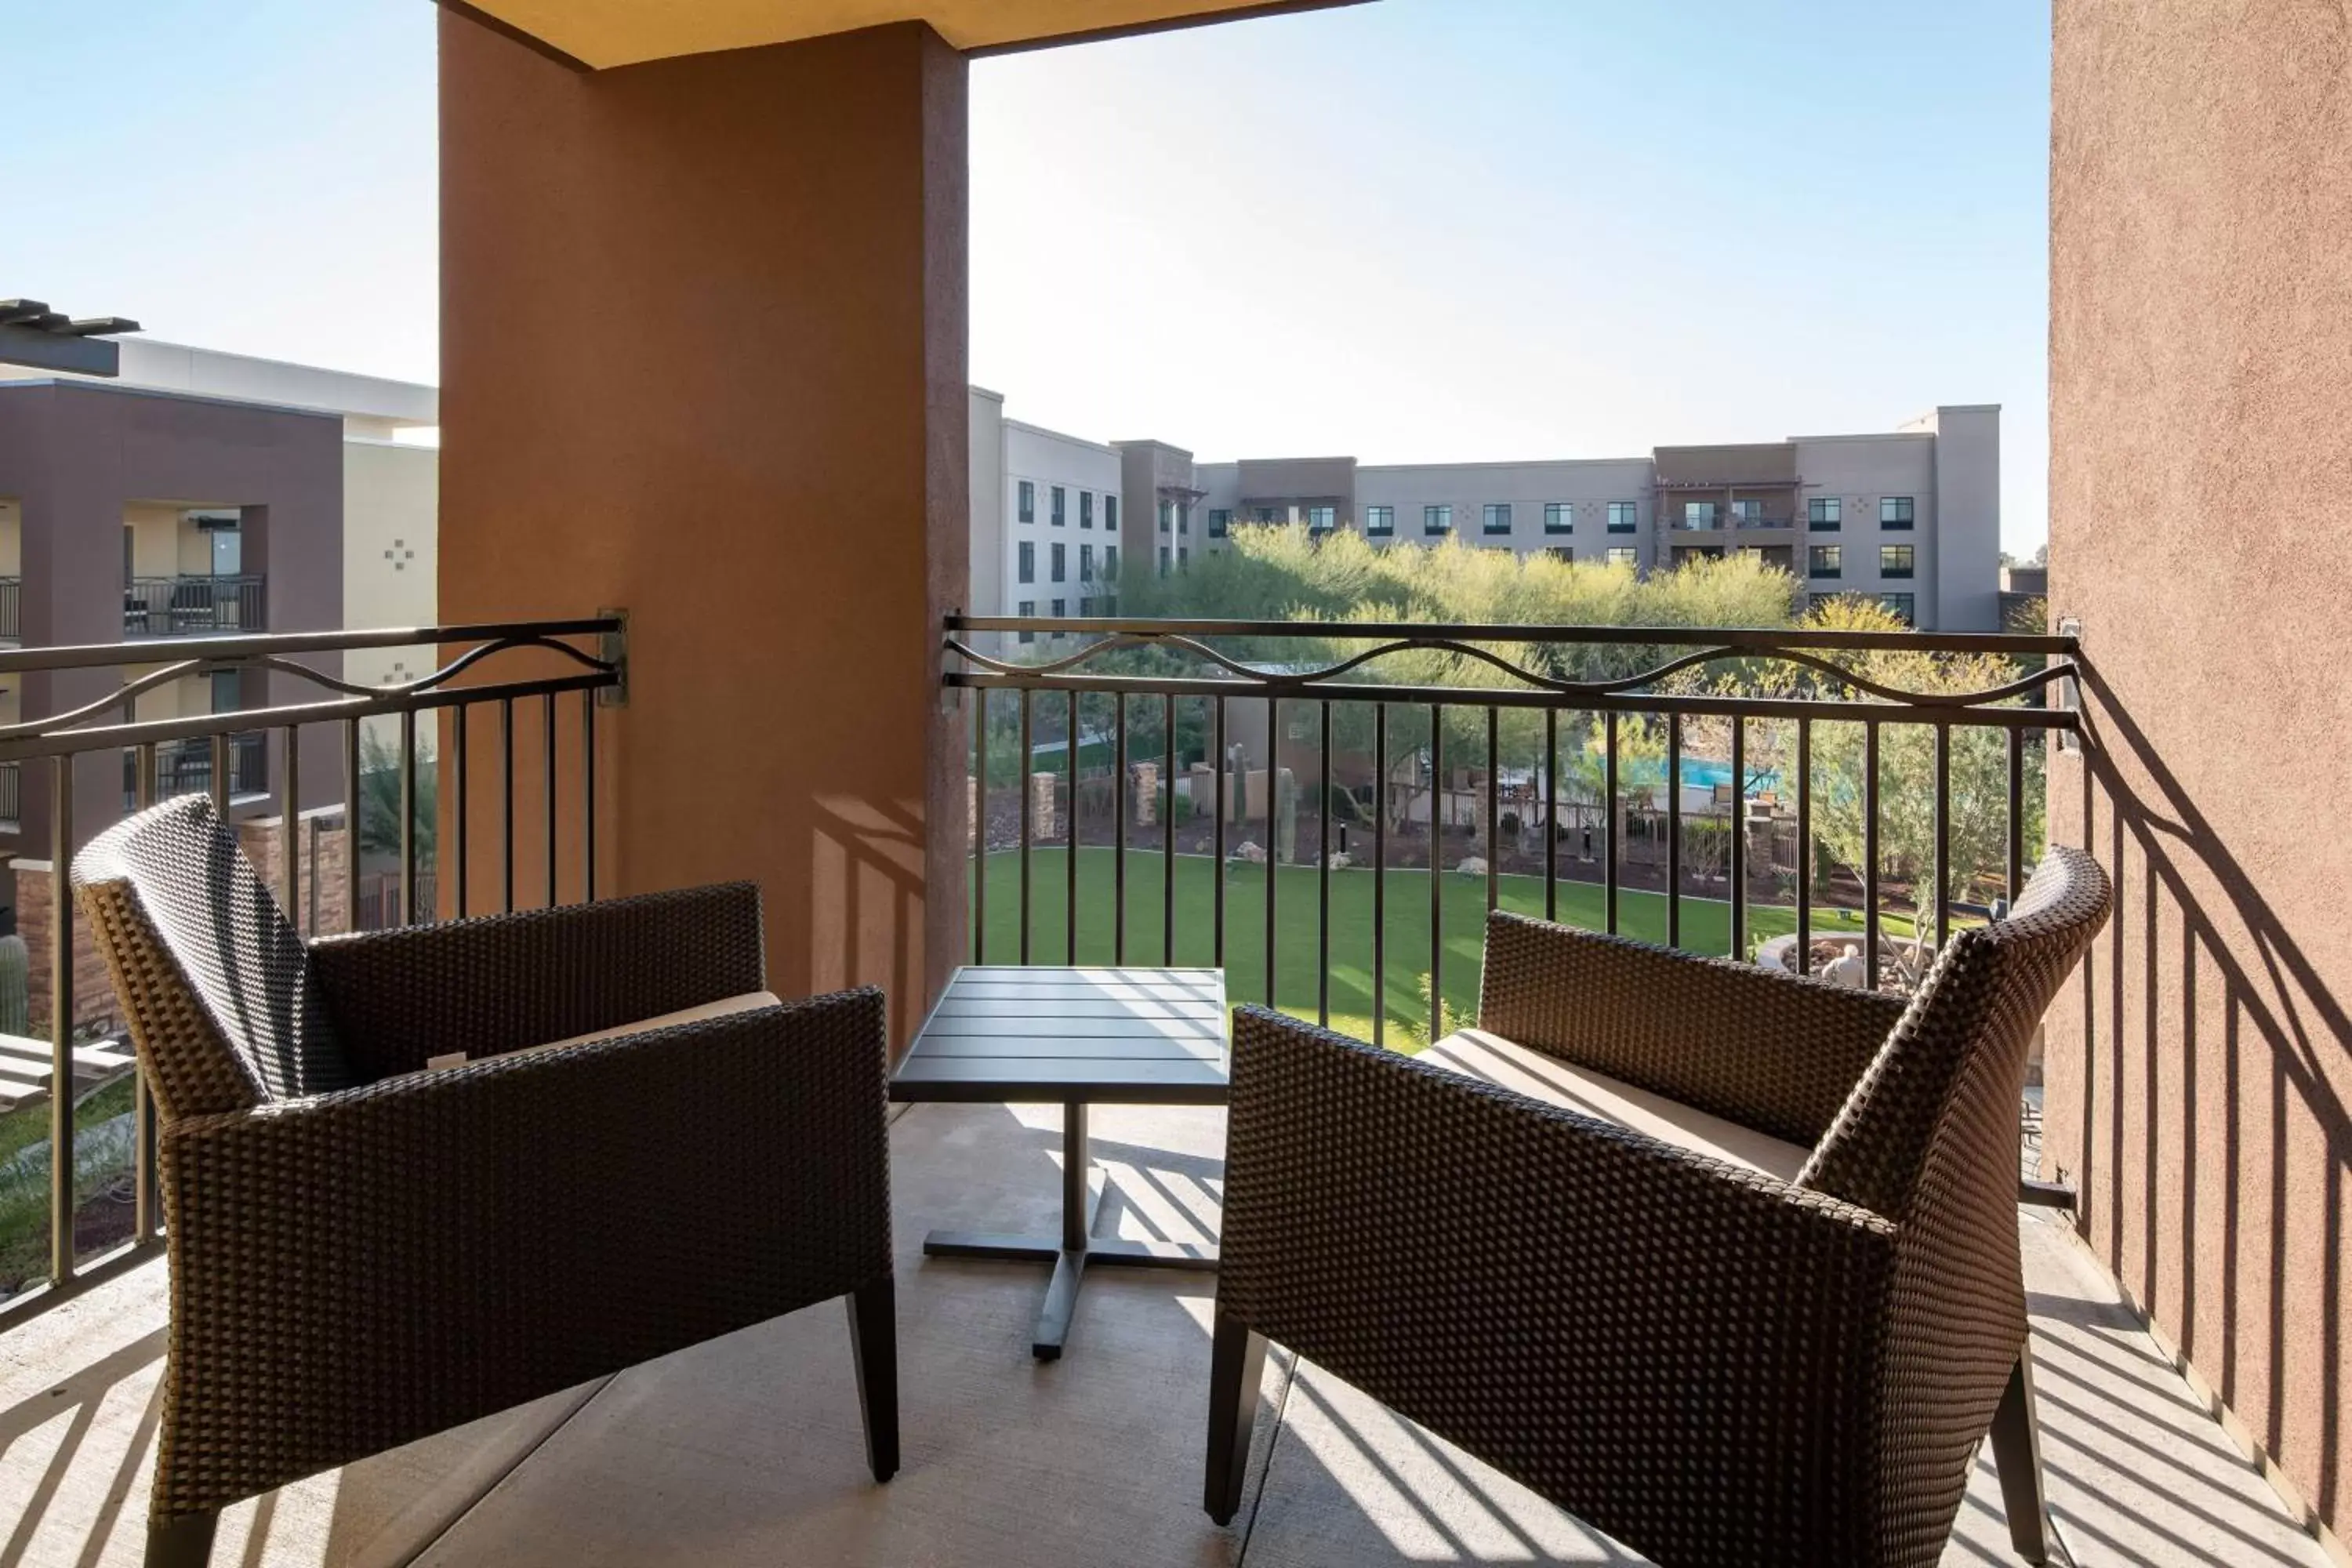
(181, 1540)
(1237, 1362)
(2016, 1457)
(874, 1341)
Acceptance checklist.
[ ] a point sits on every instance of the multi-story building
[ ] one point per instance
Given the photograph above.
(202, 494)
(1911, 517)
(1046, 515)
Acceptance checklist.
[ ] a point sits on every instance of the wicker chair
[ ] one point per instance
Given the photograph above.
(365, 1249)
(1723, 1262)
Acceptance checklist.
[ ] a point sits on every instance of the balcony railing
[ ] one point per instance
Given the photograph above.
(388, 791)
(193, 607)
(12, 796)
(185, 767)
(11, 609)
(1599, 776)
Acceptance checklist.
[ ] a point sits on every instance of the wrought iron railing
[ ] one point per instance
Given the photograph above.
(12, 796)
(543, 709)
(11, 609)
(1803, 727)
(193, 607)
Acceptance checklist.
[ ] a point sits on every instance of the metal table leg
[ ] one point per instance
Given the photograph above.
(1075, 1248)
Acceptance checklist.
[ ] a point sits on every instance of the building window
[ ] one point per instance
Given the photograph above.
(1747, 513)
(1028, 562)
(1622, 517)
(1061, 517)
(1183, 557)
(1823, 513)
(1184, 517)
(1322, 519)
(1263, 514)
(1221, 521)
(1562, 552)
(1110, 514)
(1893, 511)
(1894, 561)
(1061, 608)
(1624, 555)
(1380, 520)
(1086, 508)
(1163, 561)
(1698, 515)
(1061, 554)
(1167, 516)
(1028, 501)
(1437, 520)
(1498, 517)
(1825, 560)
(1110, 563)
(1560, 517)
(1085, 609)
(1027, 609)
(1900, 605)
(1086, 562)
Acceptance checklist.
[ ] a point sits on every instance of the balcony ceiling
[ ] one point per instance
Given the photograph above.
(603, 33)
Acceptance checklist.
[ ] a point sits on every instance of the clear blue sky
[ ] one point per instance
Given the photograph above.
(1414, 230)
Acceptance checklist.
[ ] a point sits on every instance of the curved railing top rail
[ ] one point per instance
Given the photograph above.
(1745, 638)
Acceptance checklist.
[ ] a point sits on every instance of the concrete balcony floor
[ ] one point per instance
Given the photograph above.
(746, 1450)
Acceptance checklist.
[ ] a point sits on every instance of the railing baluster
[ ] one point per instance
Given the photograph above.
(548, 790)
(1674, 830)
(1436, 876)
(979, 830)
(408, 818)
(507, 789)
(1070, 837)
(290, 826)
(1273, 845)
(1323, 881)
(1940, 888)
(1494, 822)
(147, 1204)
(219, 781)
(1026, 774)
(1804, 846)
(1739, 845)
(1168, 832)
(1609, 818)
(1379, 873)
(1870, 854)
(354, 809)
(1551, 813)
(1221, 808)
(1118, 842)
(2014, 863)
(587, 802)
(61, 1021)
(460, 759)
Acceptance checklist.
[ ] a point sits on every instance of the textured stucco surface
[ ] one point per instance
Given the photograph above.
(2201, 439)
(703, 329)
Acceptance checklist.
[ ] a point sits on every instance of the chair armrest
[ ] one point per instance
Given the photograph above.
(501, 983)
(1779, 1053)
(1573, 1302)
(379, 1263)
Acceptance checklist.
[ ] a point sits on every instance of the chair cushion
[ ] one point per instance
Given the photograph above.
(1491, 1058)
(695, 1015)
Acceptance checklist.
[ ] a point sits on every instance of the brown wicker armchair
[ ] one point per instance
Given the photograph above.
(365, 1250)
(1722, 1261)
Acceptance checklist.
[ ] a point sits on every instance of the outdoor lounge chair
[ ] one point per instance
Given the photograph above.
(365, 1249)
(1723, 1261)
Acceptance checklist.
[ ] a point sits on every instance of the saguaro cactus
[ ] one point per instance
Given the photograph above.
(1285, 816)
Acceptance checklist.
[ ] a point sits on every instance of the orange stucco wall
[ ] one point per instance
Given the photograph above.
(703, 337)
(2200, 432)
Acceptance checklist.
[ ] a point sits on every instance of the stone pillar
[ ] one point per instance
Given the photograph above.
(1042, 788)
(322, 850)
(1146, 793)
(703, 339)
(93, 988)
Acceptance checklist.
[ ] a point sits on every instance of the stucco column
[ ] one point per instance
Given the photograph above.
(703, 358)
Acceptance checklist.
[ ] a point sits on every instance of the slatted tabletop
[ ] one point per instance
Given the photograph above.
(1118, 1036)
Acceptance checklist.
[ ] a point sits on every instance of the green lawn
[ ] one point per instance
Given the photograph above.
(1706, 926)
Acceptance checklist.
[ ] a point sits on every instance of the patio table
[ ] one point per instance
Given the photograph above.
(1120, 1035)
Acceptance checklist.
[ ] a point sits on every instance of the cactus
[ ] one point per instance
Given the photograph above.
(1285, 817)
(15, 988)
